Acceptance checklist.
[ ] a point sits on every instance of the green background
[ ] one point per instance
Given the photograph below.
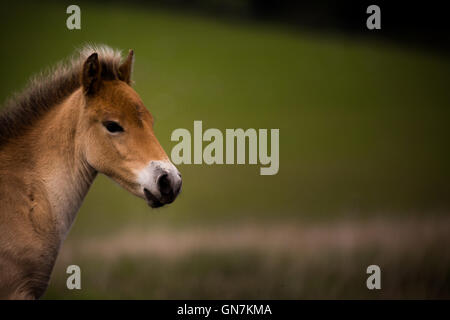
(364, 160)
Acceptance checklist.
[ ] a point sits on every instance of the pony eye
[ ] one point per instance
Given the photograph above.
(112, 126)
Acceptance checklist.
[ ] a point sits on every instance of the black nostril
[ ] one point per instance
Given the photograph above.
(164, 184)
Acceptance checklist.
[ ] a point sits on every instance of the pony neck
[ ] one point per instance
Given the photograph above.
(60, 160)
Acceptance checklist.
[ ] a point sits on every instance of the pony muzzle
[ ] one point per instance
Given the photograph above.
(161, 183)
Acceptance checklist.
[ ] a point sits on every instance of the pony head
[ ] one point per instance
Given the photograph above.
(117, 133)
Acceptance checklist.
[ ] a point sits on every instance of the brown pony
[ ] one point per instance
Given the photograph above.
(81, 119)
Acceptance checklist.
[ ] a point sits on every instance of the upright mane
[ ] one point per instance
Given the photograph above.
(50, 88)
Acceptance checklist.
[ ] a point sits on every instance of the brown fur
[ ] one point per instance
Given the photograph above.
(52, 144)
(50, 88)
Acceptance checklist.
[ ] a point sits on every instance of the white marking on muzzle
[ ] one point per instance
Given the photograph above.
(148, 176)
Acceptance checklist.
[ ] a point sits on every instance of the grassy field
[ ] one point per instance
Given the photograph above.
(363, 139)
(276, 261)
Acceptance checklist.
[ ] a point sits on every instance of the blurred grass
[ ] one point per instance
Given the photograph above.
(253, 262)
(363, 124)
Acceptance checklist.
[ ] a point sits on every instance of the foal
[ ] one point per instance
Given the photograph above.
(55, 137)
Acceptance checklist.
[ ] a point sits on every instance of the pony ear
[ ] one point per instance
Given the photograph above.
(126, 68)
(91, 74)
